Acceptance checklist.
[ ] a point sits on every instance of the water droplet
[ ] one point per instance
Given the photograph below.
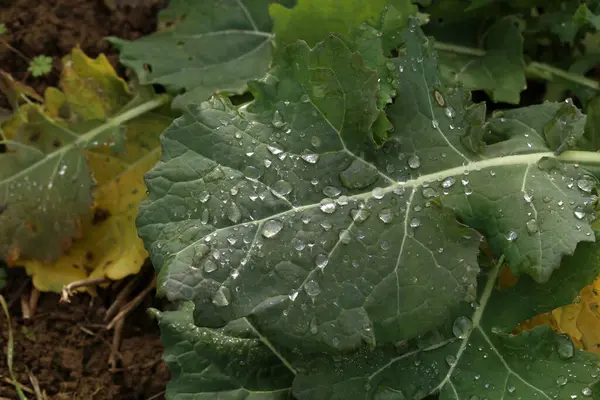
(252, 172)
(378, 193)
(204, 217)
(587, 392)
(415, 223)
(331, 191)
(335, 341)
(304, 98)
(293, 295)
(315, 141)
(414, 162)
(439, 98)
(342, 200)
(450, 113)
(327, 206)
(345, 237)
(321, 260)
(210, 266)
(222, 297)
(312, 288)
(360, 215)
(468, 190)
(401, 68)
(528, 197)
(281, 188)
(532, 226)
(586, 184)
(271, 228)
(326, 224)
(429, 193)
(435, 124)
(450, 360)
(386, 215)
(233, 213)
(462, 327)
(448, 182)
(309, 156)
(579, 212)
(511, 236)
(561, 380)
(385, 245)
(277, 119)
(565, 347)
(275, 150)
(511, 389)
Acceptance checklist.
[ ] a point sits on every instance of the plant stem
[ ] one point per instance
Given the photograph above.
(534, 68)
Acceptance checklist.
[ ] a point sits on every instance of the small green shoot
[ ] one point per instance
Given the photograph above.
(40, 66)
(10, 350)
(2, 29)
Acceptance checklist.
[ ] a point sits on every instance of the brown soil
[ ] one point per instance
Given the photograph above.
(54, 27)
(66, 348)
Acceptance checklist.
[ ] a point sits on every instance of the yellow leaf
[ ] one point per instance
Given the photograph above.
(110, 246)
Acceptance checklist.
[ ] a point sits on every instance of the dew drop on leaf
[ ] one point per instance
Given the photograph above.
(565, 347)
(281, 188)
(414, 162)
(322, 260)
(586, 184)
(326, 224)
(358, 175)
(579, 212)
(277, 119)
(448, 182)
(309, 156)
(532, 226)
(312, 288)
(415, 223)
(331, 191)
(271, 228)
(345, 236)
(204, 217)
(561, 380)
(462, 327)
(511, 236)
(377, 193)
(360, 215)
(252, 172)
(313, 326)
(275, 150)
(587, 392)
(293, 295)
(233, 213)
(528, 197)
(386, 216)
(435, 124)
(511, 389)
(335, 342)
(450, 113)
(429, 193)
(210, 266)
(450, 360)
(328, 206)
(222, 297)
(304, 98)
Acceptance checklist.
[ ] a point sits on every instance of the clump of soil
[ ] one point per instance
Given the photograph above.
(54, 27)
(66, 348)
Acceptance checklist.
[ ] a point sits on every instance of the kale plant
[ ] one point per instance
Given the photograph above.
(329, 239)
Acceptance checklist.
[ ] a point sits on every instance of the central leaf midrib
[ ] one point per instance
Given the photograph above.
(520, 159)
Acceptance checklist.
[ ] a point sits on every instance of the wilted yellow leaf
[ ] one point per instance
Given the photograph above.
(109, 246)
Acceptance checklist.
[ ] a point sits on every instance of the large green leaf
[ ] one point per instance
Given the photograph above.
(217, 46)
(229, 363)
(474, 355)
(284, 211)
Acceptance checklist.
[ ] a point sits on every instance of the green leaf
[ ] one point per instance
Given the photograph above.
(217, 47)
(284, 212)
(312, 21)
(474, 355)
(40, 66)
(203, 366)
(499, 69)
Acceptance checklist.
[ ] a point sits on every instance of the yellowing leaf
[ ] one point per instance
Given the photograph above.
(109, 246)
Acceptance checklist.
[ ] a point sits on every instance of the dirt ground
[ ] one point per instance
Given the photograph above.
(54, 27)
(65, 346)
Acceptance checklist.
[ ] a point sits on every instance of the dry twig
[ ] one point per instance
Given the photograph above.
(33, 300)
(132, 304)
(25, 310)
(120, 299)
(67, 290)
(116, 343)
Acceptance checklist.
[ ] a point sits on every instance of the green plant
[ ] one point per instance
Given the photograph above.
(40, 65)
(325, 240)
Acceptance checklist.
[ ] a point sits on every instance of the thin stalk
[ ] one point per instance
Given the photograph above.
(10, 350)
(534, 68)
